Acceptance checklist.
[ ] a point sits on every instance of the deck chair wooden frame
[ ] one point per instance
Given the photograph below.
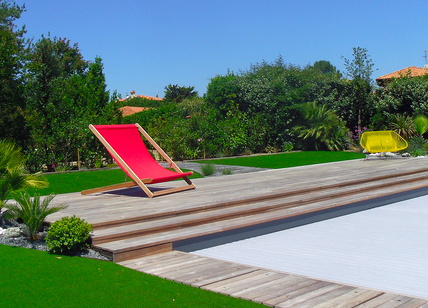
(136, 180)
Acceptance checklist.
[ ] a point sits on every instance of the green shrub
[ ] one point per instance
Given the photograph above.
(68, 234)
(418, 152)
(416, 144)
(288, 146)
(226, 172)
(208, 169)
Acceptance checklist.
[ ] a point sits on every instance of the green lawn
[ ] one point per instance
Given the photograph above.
(39, 279)
(285, 160)
(67, 182)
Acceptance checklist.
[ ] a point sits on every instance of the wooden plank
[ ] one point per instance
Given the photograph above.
(254, 281)
(319, 285)
(362, 298)
(169, 261)
(379, 300)
(333, 302)
(280, 291)
(414, 303)
(117, 257)
(181, 269)
(206, 279)
(268, 287)
(227, 284)
(107, 188)
(340, 290)
(307, 297)
(395, 302)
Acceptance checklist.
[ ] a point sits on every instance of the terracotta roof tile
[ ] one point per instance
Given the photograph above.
(414, 72)
(142, 96)
(128, 110)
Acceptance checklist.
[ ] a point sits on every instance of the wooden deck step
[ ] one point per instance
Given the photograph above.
(328, 182)
(125, 249)
(162, 224)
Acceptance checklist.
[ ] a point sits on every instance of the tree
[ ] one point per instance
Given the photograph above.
(176, 94)
(325, 67)
(361, 66)
(221, 92)
(359, 71)
(12, 53)
(65, 94)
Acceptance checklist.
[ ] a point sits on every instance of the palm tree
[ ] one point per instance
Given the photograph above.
(12, 172)
(323, 127)
(402, 125)
(32, 211)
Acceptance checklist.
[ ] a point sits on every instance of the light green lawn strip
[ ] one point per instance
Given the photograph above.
(67, 182)
(40, 279)
(286, 160)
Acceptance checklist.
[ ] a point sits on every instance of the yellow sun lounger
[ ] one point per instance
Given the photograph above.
(382, 141)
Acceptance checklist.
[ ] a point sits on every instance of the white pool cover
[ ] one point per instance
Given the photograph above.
(385, 248)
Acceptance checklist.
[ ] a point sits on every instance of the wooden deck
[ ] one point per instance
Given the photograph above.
(129, 227)
(268, 287)
(127, 224)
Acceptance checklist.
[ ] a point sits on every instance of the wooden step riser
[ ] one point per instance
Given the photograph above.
(244, 212)
(161, 246)
(419, 173)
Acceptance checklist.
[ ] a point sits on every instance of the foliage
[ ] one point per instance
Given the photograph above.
(417, 146)
(421, 124)
(288, 146)
(32, 211)
(404, 95)
(323, 128)
(359, 98)
(68, 234)
(221, 92)
(360, 67)
(12, 172)
(12, 57)
(208, 169)
(226, 172)
(402, 125)
(176, 94)
(65, 94)
(325, 67)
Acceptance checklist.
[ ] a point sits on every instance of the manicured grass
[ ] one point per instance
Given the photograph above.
(39, 279)
(285, 160)
(67, 182)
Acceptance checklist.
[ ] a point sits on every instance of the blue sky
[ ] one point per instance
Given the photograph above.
(146, 45)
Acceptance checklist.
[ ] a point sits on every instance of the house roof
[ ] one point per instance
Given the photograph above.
(142, 96)
(128, 110)
(411, 71)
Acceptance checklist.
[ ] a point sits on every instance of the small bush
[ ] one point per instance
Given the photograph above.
(288, 146)
(226, 172)
(417, 146)
(208, 169)
(68, 234)
(418, 152)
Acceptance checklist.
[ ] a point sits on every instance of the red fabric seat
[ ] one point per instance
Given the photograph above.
(126, 141)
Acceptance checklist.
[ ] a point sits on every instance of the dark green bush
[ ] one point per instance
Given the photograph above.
(68, 234)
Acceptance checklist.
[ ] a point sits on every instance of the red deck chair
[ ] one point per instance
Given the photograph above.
(125, 145)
